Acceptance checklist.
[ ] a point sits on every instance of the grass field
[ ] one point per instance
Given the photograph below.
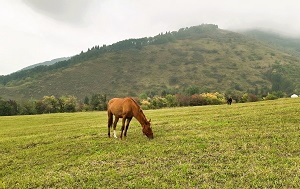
(251, 145)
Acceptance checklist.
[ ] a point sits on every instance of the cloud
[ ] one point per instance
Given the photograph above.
(72, 12)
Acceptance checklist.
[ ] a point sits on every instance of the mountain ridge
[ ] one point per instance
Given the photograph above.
(204, 58)
(46, 63)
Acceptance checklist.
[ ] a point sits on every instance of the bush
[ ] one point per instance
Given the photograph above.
(197, 100)
(271, 96)
(145, 104)
(182, 100)
(171, 101)
(158, 102)
(213, 98)
(252, 98)
(249, 97)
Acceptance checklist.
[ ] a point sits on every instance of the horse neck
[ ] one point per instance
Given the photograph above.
(139, 115)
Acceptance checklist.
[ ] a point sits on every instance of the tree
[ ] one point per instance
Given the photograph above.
(98, 102)
(70, 104)
(86, 100)
(67, 103)
(51, 104)
(8, 107)
(27, 108)
(192, 90)
(40, 107)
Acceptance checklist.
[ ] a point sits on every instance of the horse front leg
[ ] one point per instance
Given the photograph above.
(115, 125)
(127, 125)
(123, 126)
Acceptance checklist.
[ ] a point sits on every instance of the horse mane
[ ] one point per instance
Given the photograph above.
(139, 108)
(135, 103)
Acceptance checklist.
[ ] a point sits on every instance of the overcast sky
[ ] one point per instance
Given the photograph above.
(34, 31)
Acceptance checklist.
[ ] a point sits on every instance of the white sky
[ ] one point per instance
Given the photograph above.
(34, 31)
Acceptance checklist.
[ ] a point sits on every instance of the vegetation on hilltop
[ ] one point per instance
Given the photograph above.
(47, 63)
(202, 58)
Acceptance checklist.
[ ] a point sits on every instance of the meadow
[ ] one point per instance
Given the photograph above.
(245, 145)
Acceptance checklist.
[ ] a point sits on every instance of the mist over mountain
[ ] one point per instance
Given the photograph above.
(285, 42)
(191, 60)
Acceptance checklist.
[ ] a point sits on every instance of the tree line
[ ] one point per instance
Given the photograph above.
(98, 102)
(52, 104)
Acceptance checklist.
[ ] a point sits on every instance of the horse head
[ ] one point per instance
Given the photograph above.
(147, 129)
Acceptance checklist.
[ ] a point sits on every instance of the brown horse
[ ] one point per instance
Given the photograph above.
(126, 108)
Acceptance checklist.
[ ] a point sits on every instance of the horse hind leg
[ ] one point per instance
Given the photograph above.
(115, 125)
(110, 121)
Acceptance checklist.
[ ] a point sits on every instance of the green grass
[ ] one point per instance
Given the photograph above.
(252, 145)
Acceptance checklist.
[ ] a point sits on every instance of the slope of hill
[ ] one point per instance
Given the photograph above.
(46, 63)
(203, 57)
(291, 44)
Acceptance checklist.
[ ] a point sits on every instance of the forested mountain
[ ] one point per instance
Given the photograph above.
(198, 59)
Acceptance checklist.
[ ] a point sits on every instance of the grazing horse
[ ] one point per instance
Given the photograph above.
(229, 101)
(126, 108)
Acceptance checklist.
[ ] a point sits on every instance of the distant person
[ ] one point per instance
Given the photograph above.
(229, 101)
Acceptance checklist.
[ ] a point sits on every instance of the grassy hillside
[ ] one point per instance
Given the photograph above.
(205, 57)
(252, 145)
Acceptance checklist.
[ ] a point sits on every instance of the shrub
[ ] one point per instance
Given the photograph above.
(145, 104)
(252, 98)
(182, 100)
(271, 96)
(158, 102)
(171, 101)
(213, 98)
(244, 98)
(196, 100)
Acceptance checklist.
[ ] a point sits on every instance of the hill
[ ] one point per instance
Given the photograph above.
(251, 145)
(285, 43)
(46, 63)
(204, 58)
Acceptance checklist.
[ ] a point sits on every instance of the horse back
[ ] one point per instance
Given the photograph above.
(121, 107)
